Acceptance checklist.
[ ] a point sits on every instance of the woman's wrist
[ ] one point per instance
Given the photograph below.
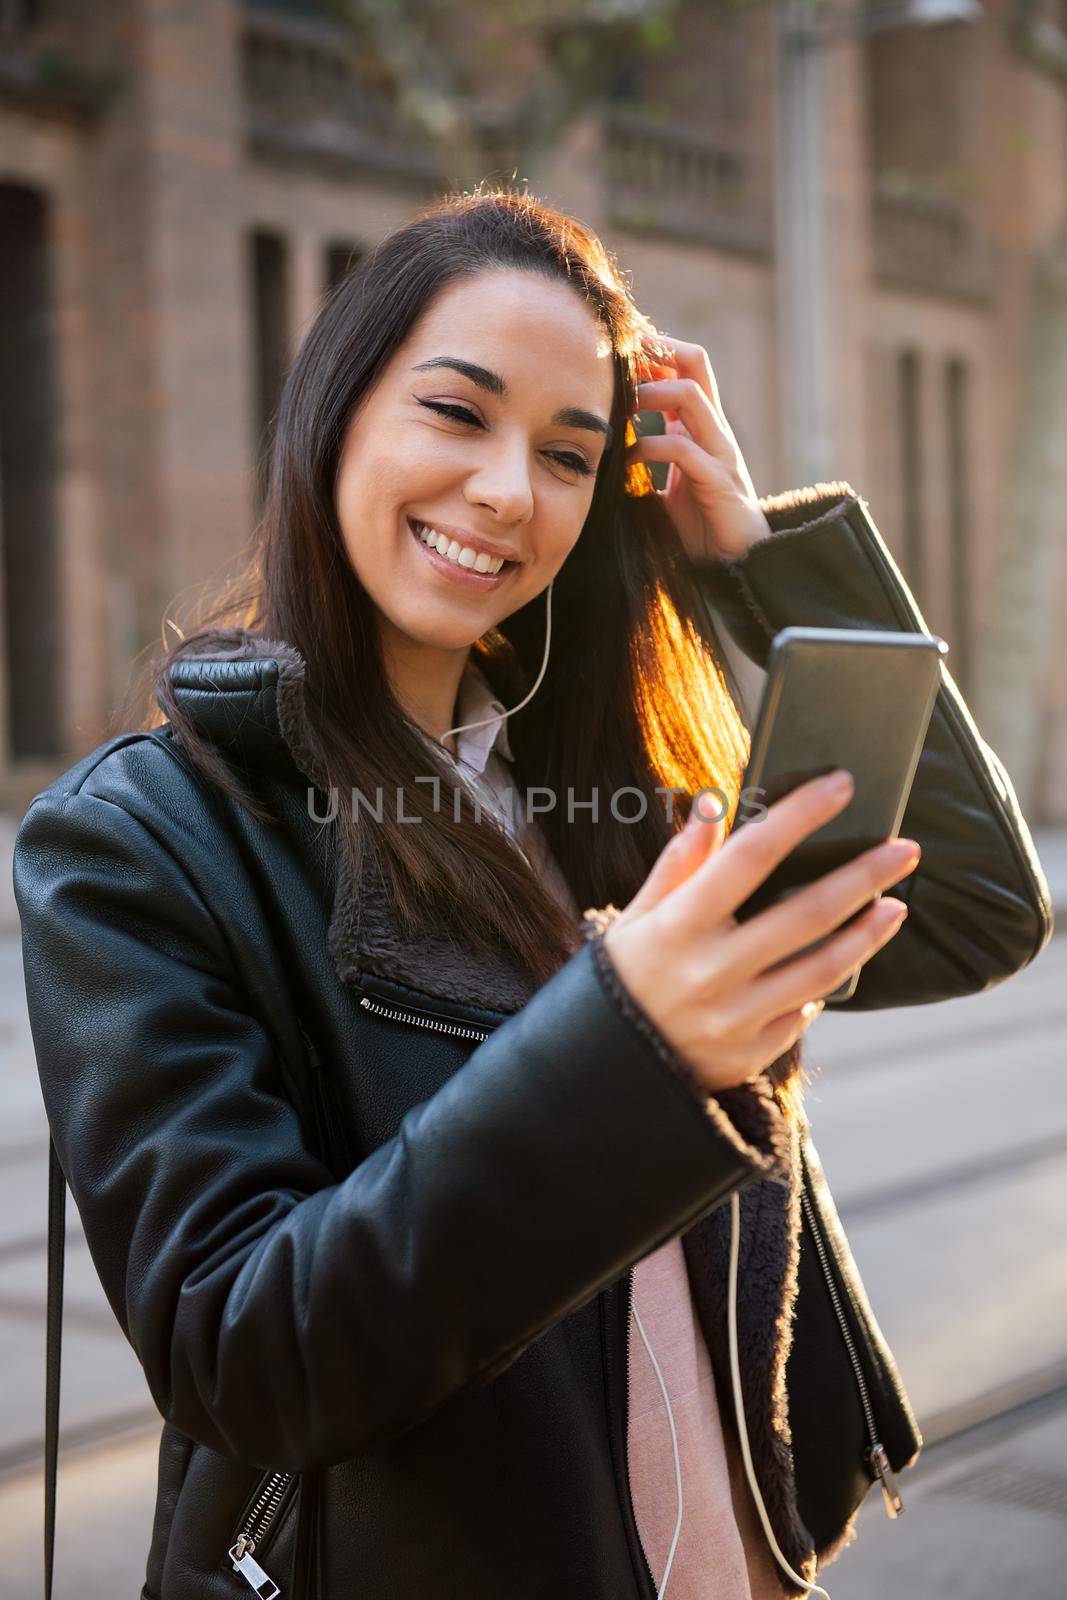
(749, 1114)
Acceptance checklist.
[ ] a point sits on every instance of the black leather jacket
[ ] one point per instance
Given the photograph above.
(382, 1302)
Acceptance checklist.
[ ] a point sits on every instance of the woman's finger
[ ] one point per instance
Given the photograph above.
(778, 1035)
(687, 401)
(692, 361)
(724, 881)
(814, 976)
(775, 934)
(679, 859)
(701, 465)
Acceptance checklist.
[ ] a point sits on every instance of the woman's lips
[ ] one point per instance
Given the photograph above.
(463, 577)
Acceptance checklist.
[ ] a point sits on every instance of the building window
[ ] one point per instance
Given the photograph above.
(912, 518)
(957, 383)
(338, 257)
(31, 614)
(19, 16)
(269, 273)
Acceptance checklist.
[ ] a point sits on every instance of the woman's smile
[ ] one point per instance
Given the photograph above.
(469, 565)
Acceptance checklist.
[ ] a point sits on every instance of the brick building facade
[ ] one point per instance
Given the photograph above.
(180, 180)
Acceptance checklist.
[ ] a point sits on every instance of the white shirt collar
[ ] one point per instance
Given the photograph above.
(474, 701)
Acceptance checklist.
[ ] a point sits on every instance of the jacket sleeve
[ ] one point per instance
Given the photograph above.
(978, 903)
(281, 1316)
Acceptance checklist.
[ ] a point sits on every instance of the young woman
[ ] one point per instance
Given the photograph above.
(412, 1187)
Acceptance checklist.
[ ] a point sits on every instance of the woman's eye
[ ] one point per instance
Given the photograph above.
(573, 463)
(460, 413)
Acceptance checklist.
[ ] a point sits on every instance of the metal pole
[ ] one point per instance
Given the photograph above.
(807, 428)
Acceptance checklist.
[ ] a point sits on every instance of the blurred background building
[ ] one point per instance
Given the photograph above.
(861, 210)
(861, 217)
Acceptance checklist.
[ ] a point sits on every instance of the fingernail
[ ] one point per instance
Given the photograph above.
(839, 782)
(892, 911)
(708, 818)
(905, 853)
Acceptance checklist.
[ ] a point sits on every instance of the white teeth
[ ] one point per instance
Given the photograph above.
(462, 554)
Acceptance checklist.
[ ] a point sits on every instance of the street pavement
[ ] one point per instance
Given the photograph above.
(943, 1131)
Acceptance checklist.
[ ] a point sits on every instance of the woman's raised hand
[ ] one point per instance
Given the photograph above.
(704, 978)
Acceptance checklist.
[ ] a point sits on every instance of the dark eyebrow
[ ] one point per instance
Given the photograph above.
(493, 383)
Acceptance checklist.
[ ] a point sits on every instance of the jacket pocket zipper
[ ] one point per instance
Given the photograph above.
(272, 1492)
(877, 1459)
(265, 1508)
(424, 1019)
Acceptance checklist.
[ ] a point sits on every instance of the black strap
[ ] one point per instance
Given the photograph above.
(57, 1202)
(57, 1205)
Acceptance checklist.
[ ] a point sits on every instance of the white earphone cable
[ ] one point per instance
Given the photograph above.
(498, 716)
(742, 1428)
(677, 1459)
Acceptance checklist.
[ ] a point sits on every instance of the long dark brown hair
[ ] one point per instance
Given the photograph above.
(634, 696)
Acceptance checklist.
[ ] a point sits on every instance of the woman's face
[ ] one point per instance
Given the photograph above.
(506, 470)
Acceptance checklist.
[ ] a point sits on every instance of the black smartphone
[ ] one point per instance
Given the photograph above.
(839, 697)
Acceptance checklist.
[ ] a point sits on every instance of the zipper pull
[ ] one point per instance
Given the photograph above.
(879, 1461)
(251, 1571)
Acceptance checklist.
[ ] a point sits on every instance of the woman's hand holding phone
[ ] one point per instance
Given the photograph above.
(713, 985)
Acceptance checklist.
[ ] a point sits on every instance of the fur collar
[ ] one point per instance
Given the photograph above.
(248, 694)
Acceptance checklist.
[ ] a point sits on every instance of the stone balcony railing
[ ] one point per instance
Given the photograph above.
(307, 100)
(667, 179)
(928, 243)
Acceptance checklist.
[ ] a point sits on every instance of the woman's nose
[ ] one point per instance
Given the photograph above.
(504, 485)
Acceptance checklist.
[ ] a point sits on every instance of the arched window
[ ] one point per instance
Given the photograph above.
(269, 296)
(912, 498)
(32, 625)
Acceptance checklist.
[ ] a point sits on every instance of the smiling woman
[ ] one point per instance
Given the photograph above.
(468, 391)
(393, 1163)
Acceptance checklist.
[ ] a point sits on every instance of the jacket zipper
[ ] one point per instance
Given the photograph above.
(424, 1019)
(268, 1502)
(877, 1459)
(265, 1508)
(273, 1486)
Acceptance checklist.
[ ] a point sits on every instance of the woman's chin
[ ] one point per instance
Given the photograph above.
(438, 628)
